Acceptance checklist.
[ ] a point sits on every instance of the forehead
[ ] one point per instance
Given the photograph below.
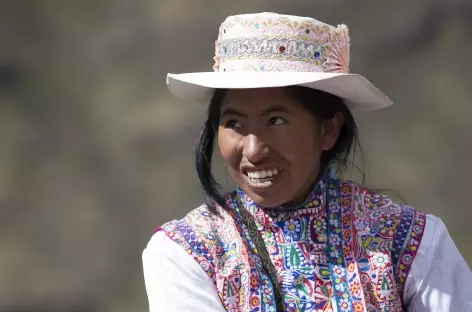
(254, 100)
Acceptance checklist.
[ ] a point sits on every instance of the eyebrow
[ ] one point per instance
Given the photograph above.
(273, 109)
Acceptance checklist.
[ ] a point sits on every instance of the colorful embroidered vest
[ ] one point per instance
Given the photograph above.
(346, 249)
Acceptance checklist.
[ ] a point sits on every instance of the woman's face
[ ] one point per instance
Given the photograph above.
(272, 145)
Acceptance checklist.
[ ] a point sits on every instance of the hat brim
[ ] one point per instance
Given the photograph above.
(357, 92)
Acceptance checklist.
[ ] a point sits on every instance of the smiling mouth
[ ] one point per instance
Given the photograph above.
(263, 178)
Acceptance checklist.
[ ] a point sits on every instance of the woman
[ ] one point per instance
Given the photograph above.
(293, 236)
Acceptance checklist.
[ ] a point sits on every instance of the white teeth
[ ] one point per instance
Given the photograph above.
(263, 174)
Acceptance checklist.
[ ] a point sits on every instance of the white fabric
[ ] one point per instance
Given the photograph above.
(439, 280)
(359, 94)
(174, 281)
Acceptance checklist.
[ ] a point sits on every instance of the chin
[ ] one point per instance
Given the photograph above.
(266, 199)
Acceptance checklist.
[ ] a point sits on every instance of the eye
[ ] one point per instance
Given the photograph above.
(277, 121)
(232, 124)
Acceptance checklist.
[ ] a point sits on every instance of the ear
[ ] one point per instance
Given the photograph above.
(330, 129)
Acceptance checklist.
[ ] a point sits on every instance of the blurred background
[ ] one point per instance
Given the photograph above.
(95, 153)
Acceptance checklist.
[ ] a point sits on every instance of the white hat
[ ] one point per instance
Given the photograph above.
(270, 50)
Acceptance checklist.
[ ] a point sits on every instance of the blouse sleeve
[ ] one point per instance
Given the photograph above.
(439, 280)
(174, 281)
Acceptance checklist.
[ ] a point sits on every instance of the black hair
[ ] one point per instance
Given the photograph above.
(321, 104)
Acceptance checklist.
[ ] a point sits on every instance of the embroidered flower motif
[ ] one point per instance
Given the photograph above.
(268, 237)
(345, 305)
(347, 250)
(380, 260)
(266, 289)
(346, 219)
(338, 272)
(390, 223)
(335, 240)
(340, 287)
(333, 192)
(292, 226)
(407, 258)
(358, 307)
(334, 253)
(255, 301)
(347, 236)
(388, 226)
(337, 60)
(334, 222)
(414, 243)
(292, 230)
(320, 225)
(356, 288)
(346, 202)
(346, 189)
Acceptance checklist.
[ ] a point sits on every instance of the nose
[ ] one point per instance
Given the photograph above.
(255, 150)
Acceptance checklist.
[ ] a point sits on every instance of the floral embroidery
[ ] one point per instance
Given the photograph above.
(278, 43)
(292, 228)
(353, 255)
(337, 260)
(380, 260)
(358, 307)
(407, 255)
(320, 226)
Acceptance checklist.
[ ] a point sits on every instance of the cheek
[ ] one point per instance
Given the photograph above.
(300, 148)
(228, 143)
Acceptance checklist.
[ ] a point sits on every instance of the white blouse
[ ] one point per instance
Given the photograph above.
(439, 279)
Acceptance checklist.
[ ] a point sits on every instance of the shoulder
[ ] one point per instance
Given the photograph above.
(374, 204)
(379, 216)
(412, 231)
(198, 235)
(201, 219)
(163, 257)
(200, 231)
(160, 246)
